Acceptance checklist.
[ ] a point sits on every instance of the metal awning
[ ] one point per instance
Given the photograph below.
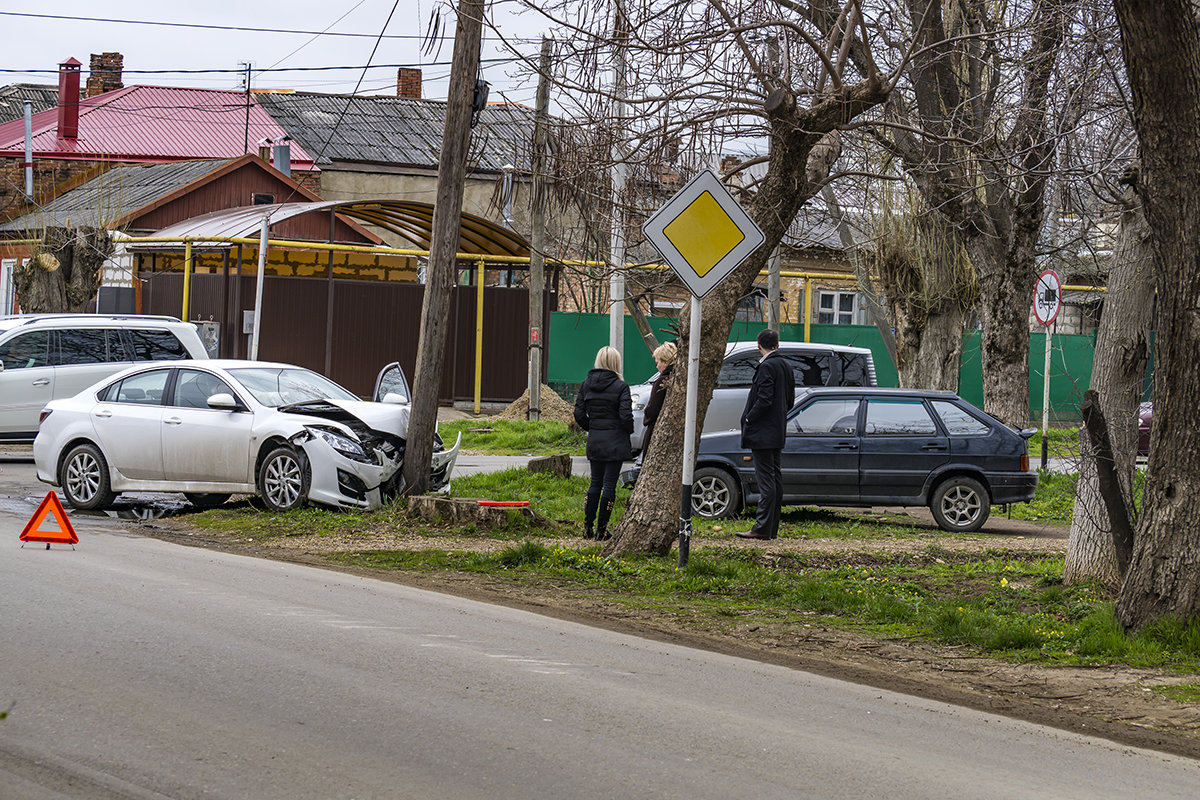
(411, 220)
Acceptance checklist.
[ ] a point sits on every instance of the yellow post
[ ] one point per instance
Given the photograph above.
(479, 337)
(807, 310)
(187, 278)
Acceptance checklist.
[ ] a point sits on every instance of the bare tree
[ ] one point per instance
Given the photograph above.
(65, 272)
(1161, 45)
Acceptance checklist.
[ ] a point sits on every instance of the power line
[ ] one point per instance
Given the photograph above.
(226, 70)
(215, 27)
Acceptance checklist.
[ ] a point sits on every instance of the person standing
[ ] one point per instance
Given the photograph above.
(764, 422)
(664, 359)
(603, 409)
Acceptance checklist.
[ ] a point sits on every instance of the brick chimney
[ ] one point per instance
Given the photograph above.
(105, 73)
(68, 99)
(408, 83)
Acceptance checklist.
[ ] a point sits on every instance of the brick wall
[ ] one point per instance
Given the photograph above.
(50, 178)
(105, 73)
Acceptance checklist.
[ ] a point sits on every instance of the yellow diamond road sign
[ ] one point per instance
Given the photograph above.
(702, 233)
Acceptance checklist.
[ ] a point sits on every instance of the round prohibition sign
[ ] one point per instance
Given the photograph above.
(1047, 297)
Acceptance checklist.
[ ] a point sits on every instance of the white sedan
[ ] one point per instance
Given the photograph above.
(212, 428)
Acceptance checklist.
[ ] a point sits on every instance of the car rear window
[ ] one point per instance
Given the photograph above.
(144, 388)
(155, 345)
(90, 346)
(810, 369)
(855, 371)
(899, 418)
(958, 421)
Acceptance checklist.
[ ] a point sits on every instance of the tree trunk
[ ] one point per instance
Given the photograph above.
(1005, 298)
(650, 522)
(65, 272)
(1118, 369)
(929, 356)
(1161, 44)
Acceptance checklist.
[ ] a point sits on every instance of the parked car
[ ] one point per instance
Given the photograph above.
(878, 447)
(1145, 420)
(44, 357)
(212, 428)
(813, 365)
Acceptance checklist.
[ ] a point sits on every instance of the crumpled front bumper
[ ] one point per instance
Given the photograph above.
(337, 480)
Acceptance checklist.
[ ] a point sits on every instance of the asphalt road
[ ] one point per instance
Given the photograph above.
(139, 669)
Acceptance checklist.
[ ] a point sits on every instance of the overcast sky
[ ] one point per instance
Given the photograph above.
(33, 45)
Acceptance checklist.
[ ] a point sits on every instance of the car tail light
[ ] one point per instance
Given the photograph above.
(45, 413)
(1025, 463)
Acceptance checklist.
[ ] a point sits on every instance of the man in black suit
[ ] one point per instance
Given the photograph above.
(764, 430)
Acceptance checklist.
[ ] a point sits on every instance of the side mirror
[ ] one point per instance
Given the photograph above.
(224, 400)
(395, 399)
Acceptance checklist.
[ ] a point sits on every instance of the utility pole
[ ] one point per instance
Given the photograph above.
(616, 308)
(537, 262)
(246, 64)
(443, 246)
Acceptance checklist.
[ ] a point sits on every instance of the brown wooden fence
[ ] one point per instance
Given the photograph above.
(349, 330)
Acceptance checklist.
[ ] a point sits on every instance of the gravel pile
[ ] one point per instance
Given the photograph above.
(552, 407)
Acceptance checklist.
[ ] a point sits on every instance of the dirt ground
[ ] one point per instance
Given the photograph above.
(1116, 704)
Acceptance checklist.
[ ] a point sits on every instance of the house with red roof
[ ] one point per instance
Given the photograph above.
(81, 138)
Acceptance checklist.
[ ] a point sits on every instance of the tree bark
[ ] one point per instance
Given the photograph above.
(650, 522)
(65, 272)
(1161, 44)
(1118, 369)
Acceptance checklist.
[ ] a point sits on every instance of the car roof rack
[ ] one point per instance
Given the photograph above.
(26, 319)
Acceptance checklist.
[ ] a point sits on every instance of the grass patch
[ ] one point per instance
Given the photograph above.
(1009, 606)
(1186, 693)
(514, 436)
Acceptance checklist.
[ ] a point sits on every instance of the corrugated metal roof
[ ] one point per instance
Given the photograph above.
(105, 199)
(13, 97)
(153, 123)
(397, 130)
(411, 220)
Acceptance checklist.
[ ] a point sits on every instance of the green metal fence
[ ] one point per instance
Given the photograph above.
(575, 338)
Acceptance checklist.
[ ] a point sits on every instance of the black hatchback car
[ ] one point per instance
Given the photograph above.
(878, 447)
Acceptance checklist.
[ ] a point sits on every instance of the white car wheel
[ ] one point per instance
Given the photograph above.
(84, 478)
(283, 480)
(715, 493)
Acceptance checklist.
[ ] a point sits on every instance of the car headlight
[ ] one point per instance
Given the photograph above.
(340, 442)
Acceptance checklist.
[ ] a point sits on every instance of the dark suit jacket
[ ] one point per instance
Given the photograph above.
(772, 393)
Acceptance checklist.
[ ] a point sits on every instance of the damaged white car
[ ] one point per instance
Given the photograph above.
(213, 428)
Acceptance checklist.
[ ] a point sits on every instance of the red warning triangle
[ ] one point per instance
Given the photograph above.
(33, 529)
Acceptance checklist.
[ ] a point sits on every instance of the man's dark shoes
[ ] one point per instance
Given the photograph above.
(753, 534)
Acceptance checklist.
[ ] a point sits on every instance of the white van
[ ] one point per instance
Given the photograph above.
(813, 365)
(47, 356)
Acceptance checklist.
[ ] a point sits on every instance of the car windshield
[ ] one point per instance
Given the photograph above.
(284, 386)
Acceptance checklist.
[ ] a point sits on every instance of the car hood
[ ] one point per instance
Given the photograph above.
(383, 417)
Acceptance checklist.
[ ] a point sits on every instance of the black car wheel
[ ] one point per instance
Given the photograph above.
(205, 500)
(83, 477)
(715, 493)
(283, 480)
(960, 505)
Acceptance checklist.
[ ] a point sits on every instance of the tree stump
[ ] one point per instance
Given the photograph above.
(464, 511)
(558, 464)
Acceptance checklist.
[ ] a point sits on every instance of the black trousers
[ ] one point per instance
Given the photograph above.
(602, 492)
(770, 487)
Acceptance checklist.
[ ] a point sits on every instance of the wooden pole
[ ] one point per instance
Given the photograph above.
(537, 275)
(447, 223)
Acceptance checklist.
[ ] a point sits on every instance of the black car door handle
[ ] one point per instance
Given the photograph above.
(845, 446)
(934, 447)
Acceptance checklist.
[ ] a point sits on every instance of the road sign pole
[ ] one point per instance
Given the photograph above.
(689, 433)
(1046, 402)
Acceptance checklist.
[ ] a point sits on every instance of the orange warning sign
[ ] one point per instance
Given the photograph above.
(33, 529)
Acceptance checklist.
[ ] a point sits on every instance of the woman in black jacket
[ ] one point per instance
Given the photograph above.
(604, 410)
(664, 358)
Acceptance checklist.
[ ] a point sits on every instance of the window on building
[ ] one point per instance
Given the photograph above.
(837, 308)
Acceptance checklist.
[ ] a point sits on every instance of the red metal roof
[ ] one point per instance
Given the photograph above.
(153, 124)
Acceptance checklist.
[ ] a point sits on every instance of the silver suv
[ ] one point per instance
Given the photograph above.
(47, 356)
(813, 365)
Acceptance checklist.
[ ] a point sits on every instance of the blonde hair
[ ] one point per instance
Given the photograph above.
(609, 358)
(665, 352)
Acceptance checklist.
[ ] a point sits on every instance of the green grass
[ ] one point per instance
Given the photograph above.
(1012, 606)
(514, 436)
